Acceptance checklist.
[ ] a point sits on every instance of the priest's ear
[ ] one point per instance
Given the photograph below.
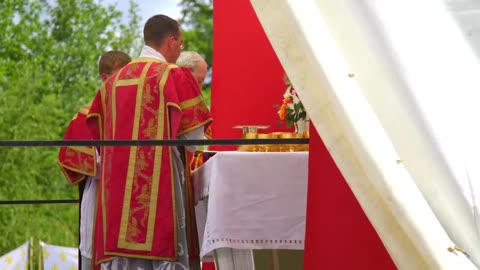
(104, 77)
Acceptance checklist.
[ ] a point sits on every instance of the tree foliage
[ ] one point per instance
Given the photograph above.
(48, 70)
(197, 22)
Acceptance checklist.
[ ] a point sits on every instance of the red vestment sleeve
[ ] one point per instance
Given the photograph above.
(94, 117)
(77, 162)
(194, 110)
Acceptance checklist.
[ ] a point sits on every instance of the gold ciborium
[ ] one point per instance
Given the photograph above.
(248, 148)
(251, 128)
(290, 147)
(275, 147)
(265, 147)
(249, 132)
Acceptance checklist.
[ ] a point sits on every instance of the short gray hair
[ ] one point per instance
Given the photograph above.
(189, 59)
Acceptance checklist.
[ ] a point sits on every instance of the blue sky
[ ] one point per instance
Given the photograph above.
(148, 8)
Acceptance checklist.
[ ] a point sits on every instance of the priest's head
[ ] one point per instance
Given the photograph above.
(196, 64)
(110, 62)
(164, 35)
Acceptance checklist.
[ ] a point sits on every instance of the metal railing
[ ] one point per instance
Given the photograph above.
(59, 143)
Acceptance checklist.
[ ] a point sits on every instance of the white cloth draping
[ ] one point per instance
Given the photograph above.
(252, 201)
(379, 89)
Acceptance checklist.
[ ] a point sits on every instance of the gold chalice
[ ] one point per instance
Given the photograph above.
(251, 128)
(290, 147)
(275, 147)
(248, 148)
(264, 147)
(249, 132)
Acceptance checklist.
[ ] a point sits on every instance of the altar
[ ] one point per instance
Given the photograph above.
(251, 209)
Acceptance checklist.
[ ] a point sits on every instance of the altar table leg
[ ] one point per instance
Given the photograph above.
(278, 259)
(234, 259)
(267, 259)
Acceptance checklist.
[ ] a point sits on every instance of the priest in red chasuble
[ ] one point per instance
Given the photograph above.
(79, 163)
(143, 205)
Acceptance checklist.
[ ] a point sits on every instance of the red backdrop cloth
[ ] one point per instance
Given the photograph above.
(208, 266)
(338, 233)
(247, 78)
(247, 82)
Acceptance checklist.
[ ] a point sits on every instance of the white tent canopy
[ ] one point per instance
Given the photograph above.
(392, 88)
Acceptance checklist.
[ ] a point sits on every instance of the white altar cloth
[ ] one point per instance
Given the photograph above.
(252, 200)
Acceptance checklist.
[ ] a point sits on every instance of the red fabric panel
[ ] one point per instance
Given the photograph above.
(247, 81)
(208, 266)
(338, 234)
(247, 78)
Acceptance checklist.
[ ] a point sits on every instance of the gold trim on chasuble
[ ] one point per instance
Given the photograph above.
(109, 165)
(172, 180)
(103, 133)
(85, 109)
(127, 82)
(63, 166)
(191, 102)
(113, 102)
(152, 60)
(71, 181)
(98, 115)
(200, 124)
(83, 149)
(126, 225)
(83, 167)
(197, 105)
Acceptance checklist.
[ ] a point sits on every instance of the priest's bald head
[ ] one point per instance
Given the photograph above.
(164, 35)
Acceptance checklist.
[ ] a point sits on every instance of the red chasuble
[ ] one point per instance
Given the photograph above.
(147, 99)
(77, 162)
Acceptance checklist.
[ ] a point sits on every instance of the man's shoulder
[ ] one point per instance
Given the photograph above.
(170, 66)
(154, 62)
(155, 67)
(82, 113)
(151, 60)
(173, 70)
(84, 110)
(180, 71)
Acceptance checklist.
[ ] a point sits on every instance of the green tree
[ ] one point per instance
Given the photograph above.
(197, 21)
(48, 71)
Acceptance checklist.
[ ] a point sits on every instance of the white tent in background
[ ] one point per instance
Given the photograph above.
(58, 257)
(393, 90)
(16, 259)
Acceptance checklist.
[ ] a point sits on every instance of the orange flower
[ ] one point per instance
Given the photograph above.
(287, 100)
(282, 112)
